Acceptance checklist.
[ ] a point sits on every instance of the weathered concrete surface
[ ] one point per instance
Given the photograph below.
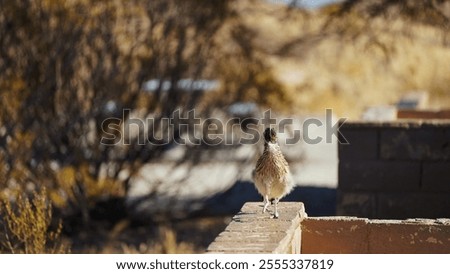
(410, 236)
(252, 231)
(340, 235)
(364, 236)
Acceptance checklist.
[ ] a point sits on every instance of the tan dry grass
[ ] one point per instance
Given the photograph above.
(352, 64)
(27, 224)
(187, 236)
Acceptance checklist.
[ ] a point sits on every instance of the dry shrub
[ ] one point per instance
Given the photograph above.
(68, 66)
(28, 226)
(166, 243)
(162, 239)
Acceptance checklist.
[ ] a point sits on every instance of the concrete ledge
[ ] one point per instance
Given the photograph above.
(334, 235)
(252, 231)
(364, 236)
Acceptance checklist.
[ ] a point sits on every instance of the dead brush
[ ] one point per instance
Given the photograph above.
(27, 225)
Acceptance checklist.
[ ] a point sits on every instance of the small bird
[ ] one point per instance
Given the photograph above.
(271, 175)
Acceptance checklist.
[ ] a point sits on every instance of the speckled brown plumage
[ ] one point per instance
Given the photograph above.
(271, 175)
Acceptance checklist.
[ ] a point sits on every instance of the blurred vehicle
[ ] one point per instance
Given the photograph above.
(187, 84)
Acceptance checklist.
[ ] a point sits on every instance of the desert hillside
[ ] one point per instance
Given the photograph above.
(349, 58)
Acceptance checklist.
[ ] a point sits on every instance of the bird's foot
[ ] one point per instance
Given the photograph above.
(266, 205)
(265, 208)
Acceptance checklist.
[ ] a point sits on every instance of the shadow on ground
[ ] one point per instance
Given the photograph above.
(319, 201)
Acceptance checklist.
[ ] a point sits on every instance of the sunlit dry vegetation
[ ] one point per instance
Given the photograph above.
(355, 55)
(28, 226)
(66, 66)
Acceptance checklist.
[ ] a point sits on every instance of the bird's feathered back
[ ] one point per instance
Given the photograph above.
(271, 175)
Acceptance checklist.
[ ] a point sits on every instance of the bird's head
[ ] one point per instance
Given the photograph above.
(270, 135)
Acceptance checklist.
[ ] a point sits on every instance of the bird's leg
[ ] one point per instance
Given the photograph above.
(266, 203)
(275, 214)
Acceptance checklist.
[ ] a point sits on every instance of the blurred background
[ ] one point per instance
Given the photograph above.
(73, 72)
